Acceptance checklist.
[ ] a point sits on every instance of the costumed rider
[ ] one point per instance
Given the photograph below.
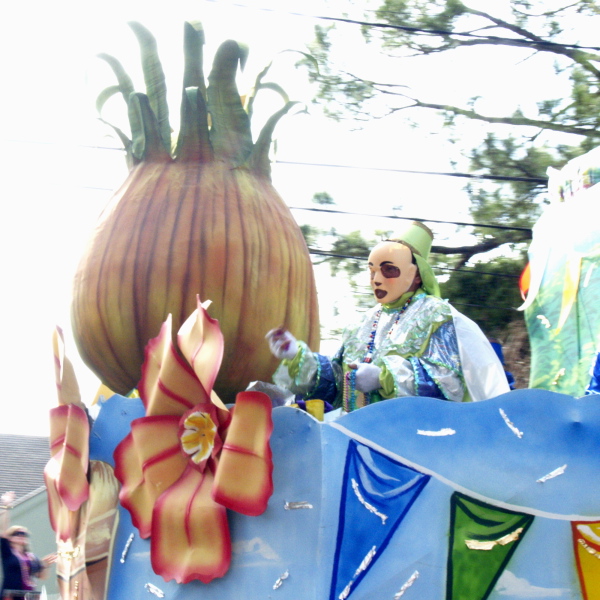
(411, 343)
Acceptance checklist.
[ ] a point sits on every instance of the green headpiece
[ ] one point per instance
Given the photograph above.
(418, 237)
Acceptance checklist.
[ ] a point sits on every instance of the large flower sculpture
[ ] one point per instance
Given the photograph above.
(190, 458)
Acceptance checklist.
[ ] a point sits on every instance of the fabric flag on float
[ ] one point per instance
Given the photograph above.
(377, 494)
(482, 540)
(586, 541)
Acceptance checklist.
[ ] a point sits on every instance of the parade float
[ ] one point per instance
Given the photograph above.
(561, 283)
(187, 485)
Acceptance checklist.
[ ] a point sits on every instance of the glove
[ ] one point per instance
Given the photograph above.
(367, 377)
(282, 343)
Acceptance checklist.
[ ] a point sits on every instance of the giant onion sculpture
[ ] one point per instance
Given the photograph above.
(198, 219)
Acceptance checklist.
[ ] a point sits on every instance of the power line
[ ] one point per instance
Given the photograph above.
(537, 180)
(324, 210)
(318, 252)
(358, 214)
(421, 220)
(540, 180)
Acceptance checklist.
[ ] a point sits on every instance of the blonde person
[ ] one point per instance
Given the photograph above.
(20, 566)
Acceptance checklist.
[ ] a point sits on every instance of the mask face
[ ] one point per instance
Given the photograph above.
(392, 271)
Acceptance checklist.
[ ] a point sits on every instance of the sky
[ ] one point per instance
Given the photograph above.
(58, 173)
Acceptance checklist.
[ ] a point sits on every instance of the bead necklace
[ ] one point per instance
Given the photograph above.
(371, 343)
(350, 394)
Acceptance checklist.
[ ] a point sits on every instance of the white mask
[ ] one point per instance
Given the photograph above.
(392, 271)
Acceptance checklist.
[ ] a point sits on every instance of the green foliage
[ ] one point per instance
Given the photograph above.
(513, 155)
(323, 199)
(516, 202)
(487, 293)
(407, 28)
(586, 101)
(514, 151)
(436, 15)
(335, 88)
(310, 234)
(351, 245)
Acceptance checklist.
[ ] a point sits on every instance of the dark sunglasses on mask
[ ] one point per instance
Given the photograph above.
(20, 534)
(389, 271)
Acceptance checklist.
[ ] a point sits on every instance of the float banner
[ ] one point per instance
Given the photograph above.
(586, 540)
(377, 494)
(482, 540)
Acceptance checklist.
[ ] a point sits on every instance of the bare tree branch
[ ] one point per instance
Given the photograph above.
(465, 253)
(513, 120)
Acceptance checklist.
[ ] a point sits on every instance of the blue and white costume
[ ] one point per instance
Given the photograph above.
(423, 346)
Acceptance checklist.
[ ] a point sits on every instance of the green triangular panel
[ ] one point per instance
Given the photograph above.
(482, 540)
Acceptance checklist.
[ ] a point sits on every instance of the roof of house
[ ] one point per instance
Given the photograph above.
(22, 462)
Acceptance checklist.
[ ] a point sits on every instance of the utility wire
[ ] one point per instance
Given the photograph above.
(408, 171)
(463, 223)
(357, 214)
(540, 180)
(327, 254)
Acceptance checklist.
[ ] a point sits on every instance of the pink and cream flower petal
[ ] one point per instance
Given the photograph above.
(67, 387)
(168, 385)
(148, 461)
(244, 476)
(201, 342)
(190, 534)
(62, 520)
(69, 451)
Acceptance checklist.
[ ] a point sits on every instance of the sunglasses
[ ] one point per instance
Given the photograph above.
(20, 534)
(388, 271)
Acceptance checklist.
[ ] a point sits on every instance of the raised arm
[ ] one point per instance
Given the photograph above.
(6, 502)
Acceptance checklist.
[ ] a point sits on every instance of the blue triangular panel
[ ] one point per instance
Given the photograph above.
(377, 493)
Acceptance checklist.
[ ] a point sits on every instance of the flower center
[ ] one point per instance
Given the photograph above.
(198, 436)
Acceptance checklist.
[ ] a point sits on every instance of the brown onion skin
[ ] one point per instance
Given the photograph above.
(178, 230)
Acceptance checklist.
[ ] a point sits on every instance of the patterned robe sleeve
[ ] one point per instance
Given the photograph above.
(312, 375)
